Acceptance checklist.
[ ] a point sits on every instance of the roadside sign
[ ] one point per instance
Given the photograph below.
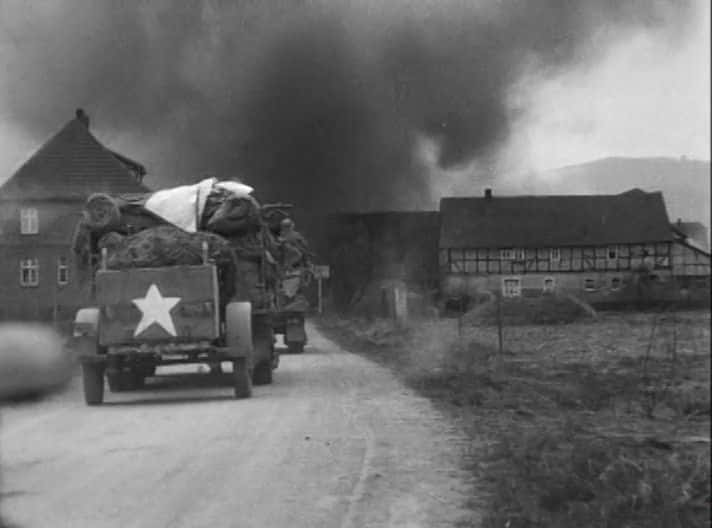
(322, 272)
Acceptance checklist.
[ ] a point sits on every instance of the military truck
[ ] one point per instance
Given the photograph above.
(147, 317)
(288, 320)
(167, 293)
(294, 266)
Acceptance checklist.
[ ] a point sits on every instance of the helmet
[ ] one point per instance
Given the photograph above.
(286, 223)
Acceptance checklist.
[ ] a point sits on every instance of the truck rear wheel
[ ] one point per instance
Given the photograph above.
(241, 379)
(263, 343)
(238, 338)
(262, 374)
(93, 381)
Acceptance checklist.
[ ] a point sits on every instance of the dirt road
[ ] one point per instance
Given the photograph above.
(336, 441)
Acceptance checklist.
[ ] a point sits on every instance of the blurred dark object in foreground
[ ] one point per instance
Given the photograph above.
(33, 361)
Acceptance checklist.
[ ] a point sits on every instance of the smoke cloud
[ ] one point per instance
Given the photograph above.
(321, 104)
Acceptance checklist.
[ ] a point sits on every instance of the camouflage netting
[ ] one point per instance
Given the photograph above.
(162, 246)
(170, 246)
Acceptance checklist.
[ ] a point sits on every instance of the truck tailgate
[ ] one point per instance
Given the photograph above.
(175, 303)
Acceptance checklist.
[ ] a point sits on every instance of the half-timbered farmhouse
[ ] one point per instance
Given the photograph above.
(602, 248)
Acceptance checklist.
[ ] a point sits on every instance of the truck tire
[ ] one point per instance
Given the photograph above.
(241, 379)
(263, 343)
(238, 338)
(238, 327)
(262, 374)
(93, 381)
(295, 348)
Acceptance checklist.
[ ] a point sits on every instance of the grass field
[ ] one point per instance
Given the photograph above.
(599, 423)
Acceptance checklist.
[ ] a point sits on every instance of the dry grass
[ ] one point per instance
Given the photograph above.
(595, 423)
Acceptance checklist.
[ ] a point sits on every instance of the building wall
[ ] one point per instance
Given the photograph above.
(599, 275)
(595, 287)
(689, 262)
(621, 257)
(56, 226)
(57, 221)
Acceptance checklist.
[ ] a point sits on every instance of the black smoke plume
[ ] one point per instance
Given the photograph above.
(320, 104)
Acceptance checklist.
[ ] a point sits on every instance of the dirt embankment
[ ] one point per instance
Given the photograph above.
(596, 423)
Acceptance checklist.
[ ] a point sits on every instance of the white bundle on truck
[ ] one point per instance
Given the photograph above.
(182, 206)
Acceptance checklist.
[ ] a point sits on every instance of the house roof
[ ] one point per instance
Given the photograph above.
(72, 165)
(551, 221)
(694, 233)
(689, 229)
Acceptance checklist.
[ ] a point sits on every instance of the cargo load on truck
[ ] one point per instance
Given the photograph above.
(200, 258)
(222, 214)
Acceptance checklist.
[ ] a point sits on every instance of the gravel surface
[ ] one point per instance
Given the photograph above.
(336, 441)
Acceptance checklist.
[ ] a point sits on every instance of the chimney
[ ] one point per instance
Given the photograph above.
(488, 194)
(82, 117)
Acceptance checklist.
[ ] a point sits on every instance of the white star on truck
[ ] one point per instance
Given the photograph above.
(155, 309)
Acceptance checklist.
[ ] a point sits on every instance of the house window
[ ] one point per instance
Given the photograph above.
(62, 271)
(554, 255)
(29, 221)
(612, 253)
(589, 284)
(615, 283)
(511, 287)
(549, 284)
(506, 254)
(519, 254)
(29, 272)
(457, 264)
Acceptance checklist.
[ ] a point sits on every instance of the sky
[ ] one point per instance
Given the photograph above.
(645, 98)
(375, 104)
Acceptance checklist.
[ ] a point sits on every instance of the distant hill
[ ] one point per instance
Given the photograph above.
(685, 184)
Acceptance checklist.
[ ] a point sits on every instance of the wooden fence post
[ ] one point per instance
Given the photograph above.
(500, 346)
